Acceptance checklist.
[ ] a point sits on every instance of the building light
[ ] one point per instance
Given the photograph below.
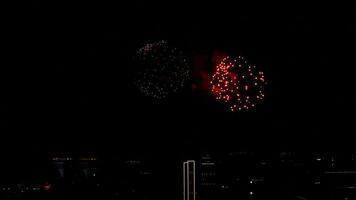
(225, 187)
(87, 159)
(61, 158)
(47, 186)
(207, 163)
(133, 162)
(263, 163)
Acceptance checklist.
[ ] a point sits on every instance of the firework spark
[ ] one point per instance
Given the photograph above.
(162, 70)
(238, 84)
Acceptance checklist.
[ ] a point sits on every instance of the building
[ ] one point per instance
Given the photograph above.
(207, 179)
(189, 192)
(130, 177)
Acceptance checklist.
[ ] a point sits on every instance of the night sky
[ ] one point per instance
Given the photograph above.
(68, 83)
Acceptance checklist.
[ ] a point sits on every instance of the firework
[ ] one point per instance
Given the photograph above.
(238, 84)
(161, 70)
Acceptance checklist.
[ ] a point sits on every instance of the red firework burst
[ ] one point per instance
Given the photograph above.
(240, 85)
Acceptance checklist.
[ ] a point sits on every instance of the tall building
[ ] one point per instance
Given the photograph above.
(207, 186)
(189, 192)
(130, 177)
(63, 167)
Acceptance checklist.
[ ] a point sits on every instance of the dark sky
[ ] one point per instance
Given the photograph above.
(67, 83)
